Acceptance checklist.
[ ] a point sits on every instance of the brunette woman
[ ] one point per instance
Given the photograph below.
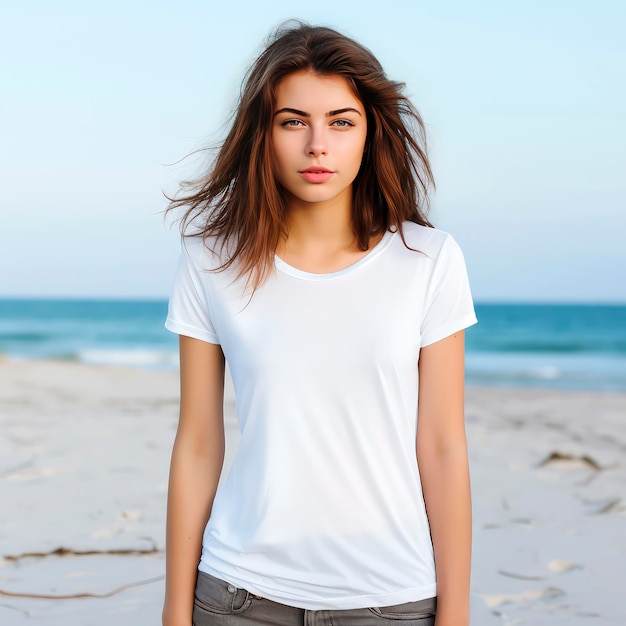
(309, 266)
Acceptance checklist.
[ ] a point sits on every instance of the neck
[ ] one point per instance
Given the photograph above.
(323, 224)
(320, 236)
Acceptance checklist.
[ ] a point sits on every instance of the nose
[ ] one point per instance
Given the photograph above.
(316, 144)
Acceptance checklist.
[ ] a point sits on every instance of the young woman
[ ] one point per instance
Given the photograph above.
(310, 267)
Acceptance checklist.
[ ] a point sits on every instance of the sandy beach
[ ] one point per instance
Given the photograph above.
(84, 454)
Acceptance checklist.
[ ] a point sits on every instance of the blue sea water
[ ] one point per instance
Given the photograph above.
(563, 346)
(527, 345)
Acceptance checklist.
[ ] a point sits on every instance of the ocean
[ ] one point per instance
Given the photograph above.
(561, 346)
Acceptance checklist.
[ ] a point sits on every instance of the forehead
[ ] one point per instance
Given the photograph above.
(309, 91)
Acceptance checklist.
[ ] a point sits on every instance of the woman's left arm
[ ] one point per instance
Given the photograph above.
(443, 463)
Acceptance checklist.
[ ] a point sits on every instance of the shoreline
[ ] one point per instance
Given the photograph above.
(84, 457)
(167, 361)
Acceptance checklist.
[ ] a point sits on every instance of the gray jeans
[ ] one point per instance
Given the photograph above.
(222, 604)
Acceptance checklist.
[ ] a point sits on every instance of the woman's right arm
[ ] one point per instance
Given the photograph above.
(196, 464)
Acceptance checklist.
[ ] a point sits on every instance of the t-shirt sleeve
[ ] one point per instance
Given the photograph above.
(449, 306)
(189, 307)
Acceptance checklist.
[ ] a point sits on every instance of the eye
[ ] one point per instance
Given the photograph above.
(342, 123)
(292, 123)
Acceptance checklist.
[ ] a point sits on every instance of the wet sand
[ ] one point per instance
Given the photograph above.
(84, 455)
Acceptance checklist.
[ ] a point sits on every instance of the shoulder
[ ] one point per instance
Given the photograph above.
(203, 254)
(430, 242)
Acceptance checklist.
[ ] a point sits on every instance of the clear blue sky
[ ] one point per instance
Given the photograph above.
(524, 102)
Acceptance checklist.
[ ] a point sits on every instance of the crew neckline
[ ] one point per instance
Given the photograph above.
(284, 267)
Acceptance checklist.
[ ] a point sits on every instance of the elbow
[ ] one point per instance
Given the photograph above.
(207, 443)
(441, 447)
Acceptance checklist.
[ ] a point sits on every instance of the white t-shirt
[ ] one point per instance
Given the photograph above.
(323, 506)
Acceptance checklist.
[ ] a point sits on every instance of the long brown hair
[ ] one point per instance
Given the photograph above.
(240, 203)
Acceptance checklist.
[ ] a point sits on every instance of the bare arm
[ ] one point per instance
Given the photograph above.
(197, 460)
(443, 463)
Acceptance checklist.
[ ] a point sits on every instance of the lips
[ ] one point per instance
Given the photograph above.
(316, 174)
(316, 169)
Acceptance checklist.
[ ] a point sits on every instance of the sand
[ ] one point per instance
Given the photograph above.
(84, 454)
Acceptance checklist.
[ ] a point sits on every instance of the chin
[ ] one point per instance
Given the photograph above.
(313, 196)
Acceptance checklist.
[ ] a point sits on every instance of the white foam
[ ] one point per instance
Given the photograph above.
(547, 372)
(133, 358)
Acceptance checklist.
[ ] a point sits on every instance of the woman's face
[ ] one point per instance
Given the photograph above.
(318, 134)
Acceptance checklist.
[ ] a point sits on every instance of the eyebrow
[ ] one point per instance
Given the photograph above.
(329, 114)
